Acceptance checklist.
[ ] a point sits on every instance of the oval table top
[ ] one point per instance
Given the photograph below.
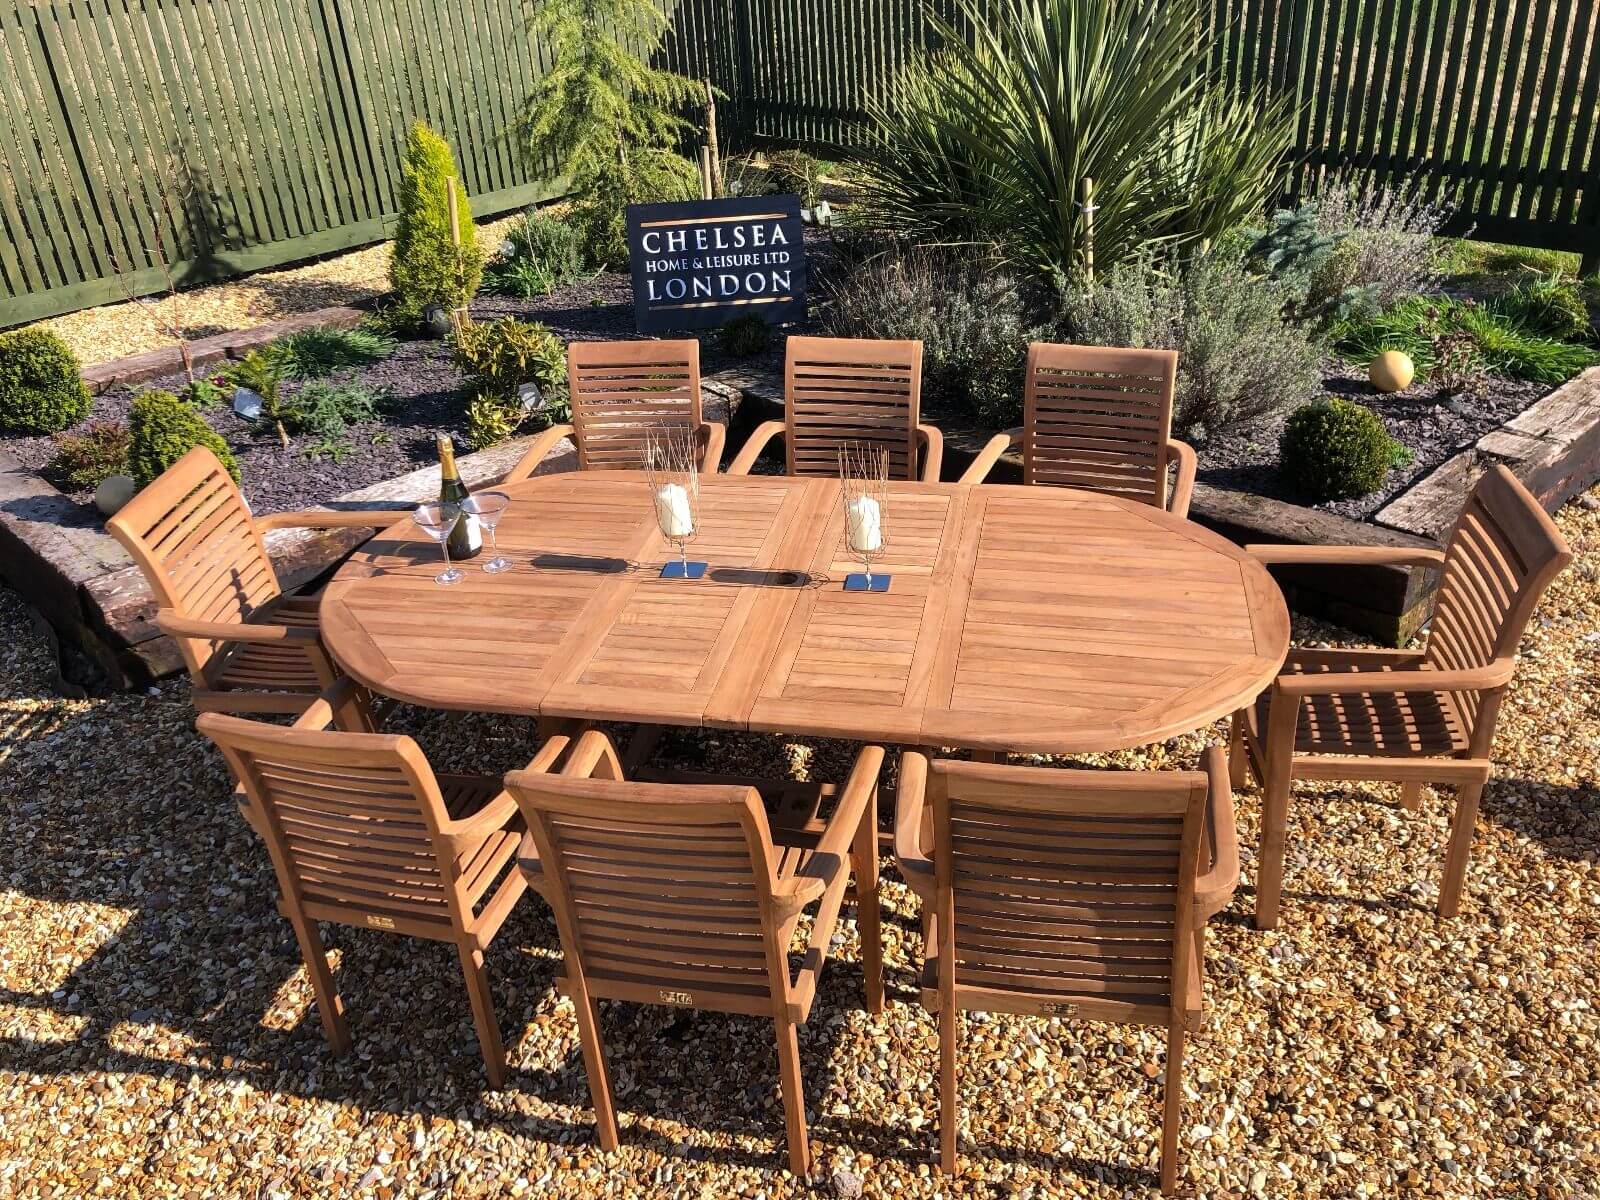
(1031, 619)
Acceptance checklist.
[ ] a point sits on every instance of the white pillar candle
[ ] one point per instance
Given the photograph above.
(672, 511)
(861, 518)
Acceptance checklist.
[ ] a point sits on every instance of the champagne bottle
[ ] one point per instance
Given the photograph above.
(466, 539)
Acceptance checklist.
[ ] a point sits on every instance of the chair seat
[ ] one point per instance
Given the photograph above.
(271, 668)
(294, 610)
(1056, 989)
(1382, 724)
(480, 867)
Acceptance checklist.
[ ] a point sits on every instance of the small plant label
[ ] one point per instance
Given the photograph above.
(701, 263)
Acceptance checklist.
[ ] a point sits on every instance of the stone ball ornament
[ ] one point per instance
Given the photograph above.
(1392, 371)
(114, 492)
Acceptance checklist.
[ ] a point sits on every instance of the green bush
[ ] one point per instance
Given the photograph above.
(543, 253)
(795, 172)
(315, 353)
(967, 310)
(651, 177)
(41, 387)
(1550, 305)
(162, 429)
(425, 268)
(490, 421)
(1239, 356)
(87, 459)
(745, 337)
(499, 356)
(1334, 449)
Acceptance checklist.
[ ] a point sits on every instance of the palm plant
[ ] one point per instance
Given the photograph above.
(994, 136)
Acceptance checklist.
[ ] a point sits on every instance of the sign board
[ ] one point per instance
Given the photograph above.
(702, 263)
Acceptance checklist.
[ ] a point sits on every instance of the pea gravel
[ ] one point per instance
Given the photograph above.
(156, 1037)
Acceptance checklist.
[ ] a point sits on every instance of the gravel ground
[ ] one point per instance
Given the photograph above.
(157, 1039)
(1431, 425)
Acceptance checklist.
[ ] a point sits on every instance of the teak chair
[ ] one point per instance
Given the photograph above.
(839, 390)
(1066, 894)
(1098, 419)
(363, 832)
(622, 393)
(1406, 716)
(248, 645)
(680, 894)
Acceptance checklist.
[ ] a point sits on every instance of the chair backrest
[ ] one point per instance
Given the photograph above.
(192, 534)
(1067, 891)
(1502, 554)
(352, 821)
(839, 390)
(622, 392)
(663, 892)
(1099, 418)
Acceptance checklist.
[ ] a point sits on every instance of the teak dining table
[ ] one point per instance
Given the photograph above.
(1026, 619)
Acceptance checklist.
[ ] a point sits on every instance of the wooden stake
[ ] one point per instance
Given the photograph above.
(1088, 228)
(711, 140)
(707, 191)
(455, 217)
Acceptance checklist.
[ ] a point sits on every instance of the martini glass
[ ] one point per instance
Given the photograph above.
(437, 521)
(489, 507)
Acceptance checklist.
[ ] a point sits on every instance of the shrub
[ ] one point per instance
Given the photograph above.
(1510, 349)
(41, 387)
(796, 172)
(491, 420)
(1552, 305)
(650, 177)
(746, 336)
(425, 268)
(543, 254)
(326, 409)
(207, 394)
(992, 136)
(87, 459)
(162, 429)
(1335, 449)
(499, 356)
(1239, 356)
(968, 312)
(315, 353)
(1387, 247)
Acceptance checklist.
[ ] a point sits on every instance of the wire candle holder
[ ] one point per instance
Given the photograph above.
(675, 492)
(864, 488)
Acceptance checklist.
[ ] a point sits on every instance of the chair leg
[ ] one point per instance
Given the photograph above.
(794, 1098)
(1462, 828)
(1172, 1114)
(476, 973)
(594, 1063)
(330, 1008)
(1277, 751)
(1238, 756)
(949, 1032)
(1411, 796)
(868, 918)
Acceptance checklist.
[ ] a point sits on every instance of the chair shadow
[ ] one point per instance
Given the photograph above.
(1563, 818)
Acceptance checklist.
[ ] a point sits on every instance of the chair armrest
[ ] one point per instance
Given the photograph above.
(1183, 486)
(176, 624)
(593, 757)
(1472, 679)
(320, 714)
(330, 519)
(1214, 890)
(542, 445)
(746, 458)
(468, 832)
(713, 435)
(932, 443)
(827, 866)
(909, 805)
(1010, 439)
(1348, 556)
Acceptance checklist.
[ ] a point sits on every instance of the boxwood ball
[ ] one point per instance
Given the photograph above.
(1392, 371)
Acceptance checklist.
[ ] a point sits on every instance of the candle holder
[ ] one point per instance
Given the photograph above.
(675, 492)
(864, 487)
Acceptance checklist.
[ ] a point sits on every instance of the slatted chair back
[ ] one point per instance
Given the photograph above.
(625, 392)
(1502, 554)
(840, 390)
(663, 892)
(1067, 891)
(1099, 419)
(352, 822)
(193, 536)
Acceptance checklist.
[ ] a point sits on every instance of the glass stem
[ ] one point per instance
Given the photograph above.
(444, 548)
(494, 541)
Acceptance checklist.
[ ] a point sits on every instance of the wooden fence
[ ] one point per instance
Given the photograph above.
(222, 136)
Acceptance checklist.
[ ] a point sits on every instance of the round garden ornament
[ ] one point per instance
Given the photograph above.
(1392, 371)
(114, 492)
